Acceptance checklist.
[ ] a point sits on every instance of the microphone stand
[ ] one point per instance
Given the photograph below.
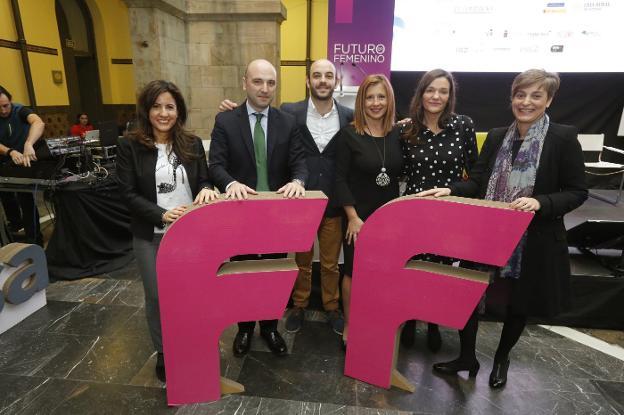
(340, 84)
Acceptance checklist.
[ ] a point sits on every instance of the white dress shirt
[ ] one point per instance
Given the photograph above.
(322, 127)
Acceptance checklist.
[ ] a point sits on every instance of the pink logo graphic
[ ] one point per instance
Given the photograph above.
(388, 289)
(344, 11)
(198, 300)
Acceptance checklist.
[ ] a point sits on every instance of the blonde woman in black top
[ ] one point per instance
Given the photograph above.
(368, 166)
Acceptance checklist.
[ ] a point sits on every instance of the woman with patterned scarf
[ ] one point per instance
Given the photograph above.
(535, 165)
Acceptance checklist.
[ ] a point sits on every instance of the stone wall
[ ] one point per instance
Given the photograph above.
(203, 46)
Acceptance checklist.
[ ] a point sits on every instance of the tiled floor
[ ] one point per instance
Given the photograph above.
(88, 351)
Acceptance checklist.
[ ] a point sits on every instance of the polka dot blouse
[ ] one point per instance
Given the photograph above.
(440, 159)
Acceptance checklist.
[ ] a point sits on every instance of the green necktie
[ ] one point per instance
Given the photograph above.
(261, 155)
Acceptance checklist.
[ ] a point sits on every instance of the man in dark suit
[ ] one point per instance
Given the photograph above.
(319, 119)
(257, 148)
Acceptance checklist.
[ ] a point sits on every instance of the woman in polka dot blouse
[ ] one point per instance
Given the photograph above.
(439, 147)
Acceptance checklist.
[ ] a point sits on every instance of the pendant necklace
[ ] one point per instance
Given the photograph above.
(382, 178)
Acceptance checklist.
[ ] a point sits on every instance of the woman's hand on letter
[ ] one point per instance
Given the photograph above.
(172, 214)
(527, 204)
(353, 229)
(439, 192)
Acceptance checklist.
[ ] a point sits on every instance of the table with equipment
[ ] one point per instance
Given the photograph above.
(91, 223)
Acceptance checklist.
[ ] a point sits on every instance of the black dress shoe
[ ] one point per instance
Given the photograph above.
(434, 340)
(242, 343)
(408, 333)
(498, 377)
(458, 365)
(160, 367)
(275, 342)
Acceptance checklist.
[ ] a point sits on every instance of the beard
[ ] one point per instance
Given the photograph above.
(327, 97)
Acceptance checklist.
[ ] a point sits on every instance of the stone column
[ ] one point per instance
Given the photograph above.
(203, 46)
(158, 31)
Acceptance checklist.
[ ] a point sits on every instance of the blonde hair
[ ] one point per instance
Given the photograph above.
(548, 80)
(359, 115)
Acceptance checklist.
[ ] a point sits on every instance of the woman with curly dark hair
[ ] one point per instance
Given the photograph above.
(162, 170)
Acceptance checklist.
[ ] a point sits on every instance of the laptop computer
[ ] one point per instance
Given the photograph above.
(92, 135)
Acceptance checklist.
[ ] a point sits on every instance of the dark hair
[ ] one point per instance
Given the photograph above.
(181, 140)
(417, 112)
(359, 117)
(80, 114)
(3, 91)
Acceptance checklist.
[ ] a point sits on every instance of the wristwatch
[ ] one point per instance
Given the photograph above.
(300, 182)
(9, 151)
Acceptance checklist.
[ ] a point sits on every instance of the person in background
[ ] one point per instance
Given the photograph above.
(439, 146)
(368, 166)
(161, 170)
(82, 125)
(20, 128)
(536, 166)
(319, 119)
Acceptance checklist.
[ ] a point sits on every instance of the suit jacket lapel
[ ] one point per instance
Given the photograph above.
(302, 115)
(149, 167)
(342, 117)
(302, 121)
(542, 170)
(246, 133)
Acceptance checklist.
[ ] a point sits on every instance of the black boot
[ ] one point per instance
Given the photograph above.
(467, 358)
(498, 377)
(512, 330)
(458, 365)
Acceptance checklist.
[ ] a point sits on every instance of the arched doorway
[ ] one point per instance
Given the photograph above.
(79, 57)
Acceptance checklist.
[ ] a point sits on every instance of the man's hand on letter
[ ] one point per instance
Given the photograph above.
(292, 189)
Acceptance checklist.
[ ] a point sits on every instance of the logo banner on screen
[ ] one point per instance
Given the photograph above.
(360, 38)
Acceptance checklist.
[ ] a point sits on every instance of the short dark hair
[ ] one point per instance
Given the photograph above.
(3, 91)
(549, 81)
(80, 114)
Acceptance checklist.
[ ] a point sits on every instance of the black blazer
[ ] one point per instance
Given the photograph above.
(560, 187)
(232, 158)
(321, 166)
(136, 167)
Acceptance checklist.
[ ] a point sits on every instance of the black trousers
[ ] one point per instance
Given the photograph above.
(21, 210)
(265, 325)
